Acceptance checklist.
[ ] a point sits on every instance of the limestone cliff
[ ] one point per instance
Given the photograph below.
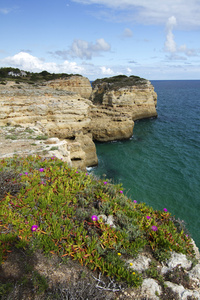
(108, 124)
(133, 95)
(60, 108)
(77, 84)
(57, 113)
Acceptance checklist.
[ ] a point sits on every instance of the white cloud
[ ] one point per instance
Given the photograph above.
(106, 71)
(170, 44)
(152, 12)
(129, 70)
(28, 62)
(188, 51)
(85, 50)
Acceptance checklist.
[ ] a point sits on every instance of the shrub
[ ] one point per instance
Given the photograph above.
(52, 210)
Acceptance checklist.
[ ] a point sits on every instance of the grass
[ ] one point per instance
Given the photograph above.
(41, 137)
(61, 201)
(53, 148)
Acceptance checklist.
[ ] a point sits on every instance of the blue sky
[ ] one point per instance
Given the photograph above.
(154, 39)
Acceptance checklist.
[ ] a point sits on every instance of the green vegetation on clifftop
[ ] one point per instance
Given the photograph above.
(45, 204)
(29, 77)
(119, 81)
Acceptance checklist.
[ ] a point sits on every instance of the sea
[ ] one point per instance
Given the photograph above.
(160, 163)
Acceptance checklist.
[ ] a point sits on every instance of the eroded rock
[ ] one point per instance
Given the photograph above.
(150, 289)
(175, 260)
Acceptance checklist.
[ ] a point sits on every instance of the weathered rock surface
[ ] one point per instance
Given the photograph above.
(175, 260)
(77, 84)
(134, 95)
(24, 141)
(180, 279)
(61, 109)
(55, 113)
(108, 124)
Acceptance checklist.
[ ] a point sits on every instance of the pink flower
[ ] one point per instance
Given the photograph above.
(121, 192)
(165, 210)
(105, 182)
(134, 201)
(154, 228)
(77, 172)
(94, 218)
(34, 228)
(26, 173)
(86, 174)
(41, 170)
(148, 217)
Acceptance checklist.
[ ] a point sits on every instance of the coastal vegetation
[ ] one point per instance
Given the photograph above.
(100, 86)
(48, 206)
(19, 76)
(116, 82)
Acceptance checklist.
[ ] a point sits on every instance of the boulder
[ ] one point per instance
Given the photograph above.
(150, 289)
(176, 259)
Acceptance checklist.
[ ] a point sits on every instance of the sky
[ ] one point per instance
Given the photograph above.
(153, 39)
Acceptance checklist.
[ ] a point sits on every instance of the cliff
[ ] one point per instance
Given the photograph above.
(133, 95)
(77, 84)
(61, 108)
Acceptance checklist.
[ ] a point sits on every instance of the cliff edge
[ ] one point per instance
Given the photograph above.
(133, 95)
(69, 109)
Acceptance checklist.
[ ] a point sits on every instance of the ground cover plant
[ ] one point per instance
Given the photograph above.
(47, 205)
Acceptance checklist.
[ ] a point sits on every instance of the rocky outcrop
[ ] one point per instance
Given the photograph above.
(56, 113)
(61, 109)
(175, 278)
(108, 124)
(76, 84)
(25, 140)
(133, 95)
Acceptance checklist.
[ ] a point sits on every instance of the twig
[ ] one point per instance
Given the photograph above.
(112, 286)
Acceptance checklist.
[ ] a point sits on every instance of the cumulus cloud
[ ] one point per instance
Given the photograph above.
(28, 62)
(170, 44)
(85, 50)
(172, 47)
(106, 71)
(149, 12)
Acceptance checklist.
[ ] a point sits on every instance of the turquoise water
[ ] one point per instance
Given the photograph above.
(160, 164)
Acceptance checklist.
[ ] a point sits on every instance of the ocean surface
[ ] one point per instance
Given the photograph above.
(160, 163)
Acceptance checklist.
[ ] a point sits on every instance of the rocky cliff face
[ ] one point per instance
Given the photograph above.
(108, 124)
(57, 113)
(61, 109)
(76, 84)
(133, 95)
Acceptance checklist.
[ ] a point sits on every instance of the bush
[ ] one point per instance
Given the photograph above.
(54, 208)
